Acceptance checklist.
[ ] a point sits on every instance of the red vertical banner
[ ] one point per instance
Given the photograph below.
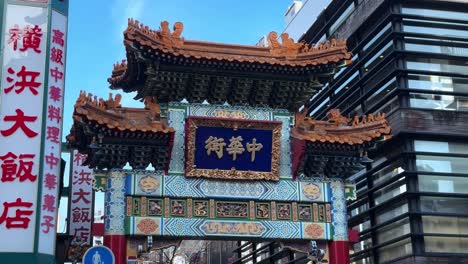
(21, 114)
(81, 212)
(52, 133)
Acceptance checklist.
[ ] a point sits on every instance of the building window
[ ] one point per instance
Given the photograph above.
(390, 171)
(443, 184)
(425, 163)
(381, 92)
(378, 57)
(377, 37)
(362, 226)
(348, 83)
(437, 65)
(440, 49)
(386, 215)
(389, 192)
(362, 245)
(341, 19)
(438, 101)
(392, 231)
(410, 27)
(448, 205)
(436, 244)
(441, 147)
(435, 13)
(445, 225)
(438, 83)
(395, 250)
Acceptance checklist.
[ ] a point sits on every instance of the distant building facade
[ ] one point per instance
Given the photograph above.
(410, 62)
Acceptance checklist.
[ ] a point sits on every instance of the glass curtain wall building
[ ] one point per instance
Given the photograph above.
(410, 62)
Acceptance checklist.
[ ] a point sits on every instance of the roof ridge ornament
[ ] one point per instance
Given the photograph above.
(164, 35)
(111, 104)
(339, 128)
(290, 48)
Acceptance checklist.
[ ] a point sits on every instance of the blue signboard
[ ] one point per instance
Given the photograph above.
(98, 255)
(225, 148)
(232, 149)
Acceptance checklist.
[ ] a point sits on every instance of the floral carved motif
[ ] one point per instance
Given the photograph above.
(314, 231)
(147, 226)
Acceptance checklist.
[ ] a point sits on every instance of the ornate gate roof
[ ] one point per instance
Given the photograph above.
(163, 64)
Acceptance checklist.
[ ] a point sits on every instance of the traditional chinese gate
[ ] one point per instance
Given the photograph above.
(247, 166)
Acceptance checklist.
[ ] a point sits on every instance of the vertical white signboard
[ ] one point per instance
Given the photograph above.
(81, 203)
(21, 114)
(53, 133)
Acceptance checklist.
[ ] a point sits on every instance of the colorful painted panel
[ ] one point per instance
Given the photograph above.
(312, 191)
(205, 228)
(232, 149)
(144, 182)
(180, 186)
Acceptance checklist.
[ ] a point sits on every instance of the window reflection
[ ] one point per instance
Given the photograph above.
(441, 49)
(443, 205)
(445, 225)
(387, 215)
(441, 164)
(438, 101)
(435, 13)
(437, 65)
(446, 244)
(393, 230)
(388, 172)
(441, 146)
(438, 83)
(395, 250)
(443, 184)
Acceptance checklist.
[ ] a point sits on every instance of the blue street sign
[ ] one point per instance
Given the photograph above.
(98, 255)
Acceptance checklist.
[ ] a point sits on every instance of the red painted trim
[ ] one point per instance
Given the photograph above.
(118, 245)
(169, 153)
(338, 252)
(98, 229)
(298, 147)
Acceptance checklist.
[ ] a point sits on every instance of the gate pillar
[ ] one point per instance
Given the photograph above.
(338, 252)
(114, 235)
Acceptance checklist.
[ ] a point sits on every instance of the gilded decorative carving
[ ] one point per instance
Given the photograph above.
(284, 211)
(232, 209)
(340, 129)
(262, 210)
(200, 208)
(305, 212)
(155, 207)
(192, 171)
(178, 208)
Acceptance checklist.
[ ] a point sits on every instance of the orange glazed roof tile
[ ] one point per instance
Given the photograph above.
(109, 113)
(286, 53)
(339, 129)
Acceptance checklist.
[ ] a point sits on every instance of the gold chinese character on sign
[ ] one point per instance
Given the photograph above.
(235, 147)
(216, 145)
(254, 147)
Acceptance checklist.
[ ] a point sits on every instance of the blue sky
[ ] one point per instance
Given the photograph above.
(95, 37)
